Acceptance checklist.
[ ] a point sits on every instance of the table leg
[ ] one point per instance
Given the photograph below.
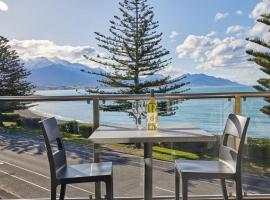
(96, 160)
(148, 172)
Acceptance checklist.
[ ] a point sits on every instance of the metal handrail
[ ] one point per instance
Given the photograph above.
(135, 96)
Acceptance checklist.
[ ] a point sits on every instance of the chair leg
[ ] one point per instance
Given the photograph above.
(224, 189)
(109, 189)
(238, 185)
(177, 184)
(53, 192)
(184, 188)
(62, 192)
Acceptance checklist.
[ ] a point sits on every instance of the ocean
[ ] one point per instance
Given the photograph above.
(208, 114)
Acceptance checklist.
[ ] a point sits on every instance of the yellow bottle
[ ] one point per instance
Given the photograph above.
(152, 113)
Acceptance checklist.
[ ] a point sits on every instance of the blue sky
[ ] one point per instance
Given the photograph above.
(206, 36)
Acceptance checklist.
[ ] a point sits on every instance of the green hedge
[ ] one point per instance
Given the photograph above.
(259, 141)
(210, 149)
(85, 130)
(69, 127)
(74, 127)
(259, 151)
(32, 122)
(10, 117)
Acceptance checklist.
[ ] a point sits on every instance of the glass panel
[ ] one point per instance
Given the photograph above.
(108, 115)
(207, 114)
(127, 158)
(256, 170)
(24, 167)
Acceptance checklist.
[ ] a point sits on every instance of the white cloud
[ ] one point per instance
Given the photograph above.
(239, 12)
(247, 76)
(226, 57)
(220, 57)
(259, 29)
(173, 35)
(235, 29)
(31, 49)
(261, 8)
(193, 47)
(172, 71)
(3, 6)
(211, 53)
(211, 34)
(219, 16)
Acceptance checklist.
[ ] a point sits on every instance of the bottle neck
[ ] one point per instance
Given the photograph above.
(152, 94)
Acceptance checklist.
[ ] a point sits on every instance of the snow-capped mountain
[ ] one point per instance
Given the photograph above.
(61, 73)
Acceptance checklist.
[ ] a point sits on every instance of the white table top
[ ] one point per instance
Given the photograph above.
(106, 134)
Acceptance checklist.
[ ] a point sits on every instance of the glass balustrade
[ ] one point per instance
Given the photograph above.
(24, 165)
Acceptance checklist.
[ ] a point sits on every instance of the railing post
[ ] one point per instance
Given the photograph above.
(96, 113)
(237, 105)
(237, 111)
(96, 156)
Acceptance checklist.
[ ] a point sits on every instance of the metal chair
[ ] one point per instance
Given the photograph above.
(62, 173)
(227, 167)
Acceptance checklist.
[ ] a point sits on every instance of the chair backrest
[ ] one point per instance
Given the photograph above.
(236, 129)
(54, 145)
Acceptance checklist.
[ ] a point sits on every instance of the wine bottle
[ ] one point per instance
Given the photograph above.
(152, 114)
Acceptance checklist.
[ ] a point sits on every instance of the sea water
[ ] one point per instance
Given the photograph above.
(208, 114)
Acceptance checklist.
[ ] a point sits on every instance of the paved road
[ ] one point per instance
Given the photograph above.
(24, 171)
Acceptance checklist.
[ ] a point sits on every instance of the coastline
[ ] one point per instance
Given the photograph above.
(30, 114)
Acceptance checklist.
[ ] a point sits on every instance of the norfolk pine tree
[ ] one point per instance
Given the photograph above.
(12, 78)
(262, 58)
(133, 51)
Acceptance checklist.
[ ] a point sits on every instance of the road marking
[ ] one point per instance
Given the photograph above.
(164, 189)
(25, 180)
(44, 176)
(139, 163)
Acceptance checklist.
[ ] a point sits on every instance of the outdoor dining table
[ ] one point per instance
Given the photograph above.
(182, 132)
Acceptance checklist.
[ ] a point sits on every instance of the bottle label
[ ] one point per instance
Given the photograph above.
(151, 117)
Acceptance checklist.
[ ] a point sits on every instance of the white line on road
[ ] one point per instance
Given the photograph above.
(140, 163)
(24, 180)
(164, 189)
(44, 176)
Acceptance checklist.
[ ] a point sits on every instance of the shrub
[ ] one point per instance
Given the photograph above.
(259, 141)
(32, 122)
(69, 127)
(259, 151)
(10, 117)
(85, 130)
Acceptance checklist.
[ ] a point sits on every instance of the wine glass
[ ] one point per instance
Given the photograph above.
(138, 109)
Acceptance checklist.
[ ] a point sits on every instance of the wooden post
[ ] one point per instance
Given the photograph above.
(237, 111)
(237, 105)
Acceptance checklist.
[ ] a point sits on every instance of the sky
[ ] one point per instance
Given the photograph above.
(206, 36)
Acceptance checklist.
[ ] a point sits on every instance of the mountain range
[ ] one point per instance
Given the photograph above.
(56, 73)
(60, 73)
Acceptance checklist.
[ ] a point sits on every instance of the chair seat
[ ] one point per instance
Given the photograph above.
(85, 172)
(204, 169)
